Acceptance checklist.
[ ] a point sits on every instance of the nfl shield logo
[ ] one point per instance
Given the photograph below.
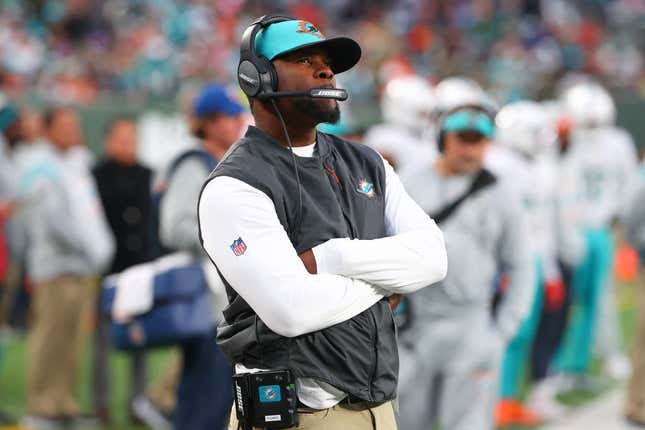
(238, 246)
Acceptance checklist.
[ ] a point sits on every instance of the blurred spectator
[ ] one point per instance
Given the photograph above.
(204, 392)
(124, 187)
(605, 162)
(57, 263)
(452, 350)
(10, 133)
(65, 134)
(25, 127)
(82, 48)
(635, 223)
(9, 117)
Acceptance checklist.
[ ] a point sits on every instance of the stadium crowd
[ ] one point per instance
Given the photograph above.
(525, 86)
(81, 50)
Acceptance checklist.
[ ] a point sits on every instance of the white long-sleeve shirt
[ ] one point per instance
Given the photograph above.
(352, 274)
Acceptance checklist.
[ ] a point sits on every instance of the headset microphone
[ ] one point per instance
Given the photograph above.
(315, 93)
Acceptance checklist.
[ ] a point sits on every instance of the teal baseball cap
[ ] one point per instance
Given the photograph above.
(288, 36)
(469, 120)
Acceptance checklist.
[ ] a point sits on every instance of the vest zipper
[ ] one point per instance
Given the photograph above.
(333, 174)
(375, 355)
(350, 226)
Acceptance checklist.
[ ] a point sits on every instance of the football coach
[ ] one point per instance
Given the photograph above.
(315, 239)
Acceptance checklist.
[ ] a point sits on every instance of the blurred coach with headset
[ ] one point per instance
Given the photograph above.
(313, 236)
(451, 350)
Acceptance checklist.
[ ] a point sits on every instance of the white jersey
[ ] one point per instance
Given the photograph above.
(85, 205)
(535, 180)
(405, 150)
(604, 159)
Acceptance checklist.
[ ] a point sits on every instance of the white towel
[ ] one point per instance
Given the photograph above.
(134, 286)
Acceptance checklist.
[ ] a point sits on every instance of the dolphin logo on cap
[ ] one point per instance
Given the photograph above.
(309, 28)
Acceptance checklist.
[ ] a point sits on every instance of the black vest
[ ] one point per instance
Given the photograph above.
(343, 195)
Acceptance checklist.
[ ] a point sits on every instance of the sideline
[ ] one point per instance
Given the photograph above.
(604, 413)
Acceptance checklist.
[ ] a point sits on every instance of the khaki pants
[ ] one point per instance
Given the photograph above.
(340, 417)
(635, 404)
(54, 344)
(163, 393)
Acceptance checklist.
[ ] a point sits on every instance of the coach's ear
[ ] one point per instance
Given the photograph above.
(309, 260)
(197, 127)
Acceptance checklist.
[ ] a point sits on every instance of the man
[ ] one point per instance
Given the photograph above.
(65, 134)
(635, 232)
(124, 187)
(339, 206)
(525, 160)
(59, 261)
(570, 249)
(604, 160)
(217, 122)
(452, 349)
(10, 133)
(204, 391)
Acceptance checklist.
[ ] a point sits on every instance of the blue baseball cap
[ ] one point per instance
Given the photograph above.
(216, 99)
(288, 36)
(469, 120)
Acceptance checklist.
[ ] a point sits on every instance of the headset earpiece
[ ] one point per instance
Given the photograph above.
(441, 141)
(255, 73)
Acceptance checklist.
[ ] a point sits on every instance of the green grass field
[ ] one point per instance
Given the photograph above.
(12, 370)
(13, 384)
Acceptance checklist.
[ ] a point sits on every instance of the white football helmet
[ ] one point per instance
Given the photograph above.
(521, 126)
(458, 91)
(408, 102)
(589, 105)
(604, 109)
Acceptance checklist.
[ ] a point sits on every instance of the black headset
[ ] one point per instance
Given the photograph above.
(441, 139)
(255, 73)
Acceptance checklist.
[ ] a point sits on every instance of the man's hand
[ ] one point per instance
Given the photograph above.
(554, 294)
(395, 300)
(7, 208)
(309, 260)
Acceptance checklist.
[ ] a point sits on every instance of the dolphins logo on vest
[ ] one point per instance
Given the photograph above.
(366, 188)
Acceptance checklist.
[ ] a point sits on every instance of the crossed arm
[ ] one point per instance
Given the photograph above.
(350, 275)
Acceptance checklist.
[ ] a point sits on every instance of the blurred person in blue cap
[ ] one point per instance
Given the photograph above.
(314, 236)
(204, 391)
(453, 345)
(217, 119)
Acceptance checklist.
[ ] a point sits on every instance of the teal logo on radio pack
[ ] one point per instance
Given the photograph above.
(269, 393)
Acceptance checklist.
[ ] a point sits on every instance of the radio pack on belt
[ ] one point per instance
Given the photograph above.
(266, 399)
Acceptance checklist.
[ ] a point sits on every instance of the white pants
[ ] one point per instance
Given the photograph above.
(448, 373)
(608, 334)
